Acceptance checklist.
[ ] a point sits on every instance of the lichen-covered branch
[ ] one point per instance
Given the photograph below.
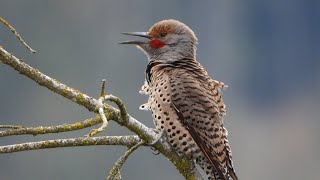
(114, 173)
(20, 130)
(100, 106)
(74, 95)
(11, 126)
(185, 167)
(128, 141)
(105, 122)
(17, 35)
(122, 108)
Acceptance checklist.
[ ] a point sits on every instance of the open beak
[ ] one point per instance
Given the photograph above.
(139, 34)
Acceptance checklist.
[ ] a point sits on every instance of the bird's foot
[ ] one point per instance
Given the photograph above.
(157, 138)
(159, 133)
(154, 151)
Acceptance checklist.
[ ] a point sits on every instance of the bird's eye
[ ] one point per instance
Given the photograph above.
(163, 34)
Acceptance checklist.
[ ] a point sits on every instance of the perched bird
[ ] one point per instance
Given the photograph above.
(185, 102)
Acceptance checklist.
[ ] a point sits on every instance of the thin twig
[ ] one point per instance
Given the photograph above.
(73, 142)
(122, 108)
(16, 34)
(103, 87)
(51, 129)
(102, 115)
(114, 173)
(100, 107)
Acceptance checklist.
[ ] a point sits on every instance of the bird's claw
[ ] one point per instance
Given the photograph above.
(158, 137)
(159, 134)
(154, 151)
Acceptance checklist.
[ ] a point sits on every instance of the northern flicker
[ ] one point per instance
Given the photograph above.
(185, 102)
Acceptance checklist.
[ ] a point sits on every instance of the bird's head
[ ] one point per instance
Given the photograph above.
(167, 40)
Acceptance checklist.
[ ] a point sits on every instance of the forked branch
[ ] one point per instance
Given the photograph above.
(16, 34)
(21, 130)
(114, 173)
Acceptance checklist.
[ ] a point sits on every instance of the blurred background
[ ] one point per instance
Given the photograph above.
(268, 52)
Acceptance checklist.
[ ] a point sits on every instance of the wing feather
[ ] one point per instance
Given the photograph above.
(198, 139)
(199, 109)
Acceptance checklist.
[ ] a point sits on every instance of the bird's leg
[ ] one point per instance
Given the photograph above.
(159, 133)
(154, 150)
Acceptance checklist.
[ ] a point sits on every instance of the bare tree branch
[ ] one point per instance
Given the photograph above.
(114, 173)
(105, 122)
(16, 34)
(20, 130)
(74, 95)
(122, 108)
(103, 88)
(128, 141)
(11, 126)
